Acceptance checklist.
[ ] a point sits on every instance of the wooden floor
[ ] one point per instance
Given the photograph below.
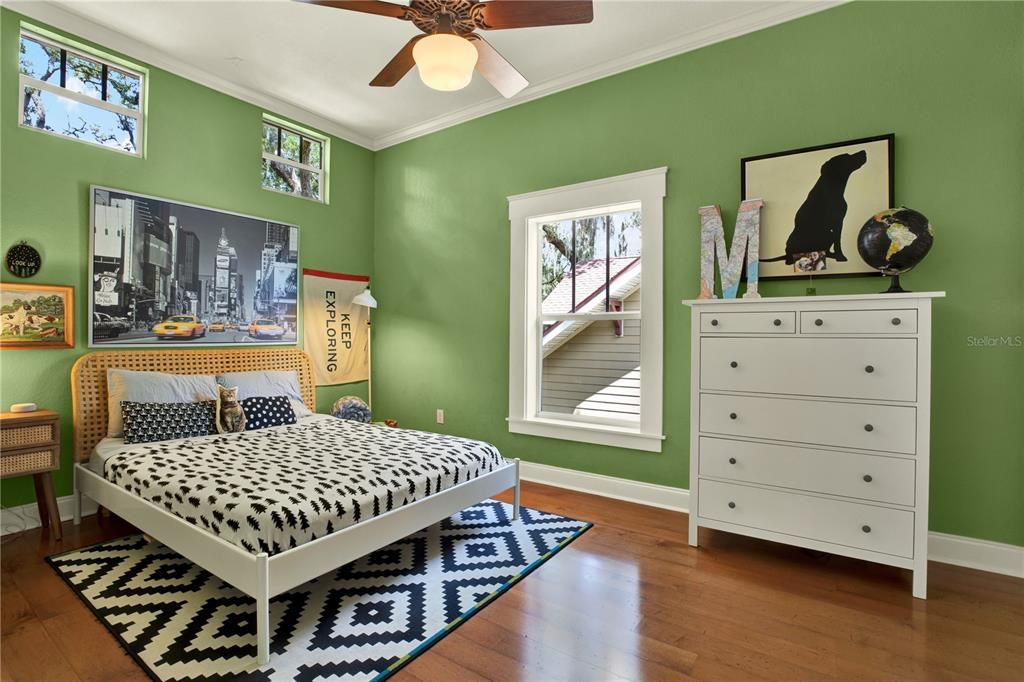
(630, 600)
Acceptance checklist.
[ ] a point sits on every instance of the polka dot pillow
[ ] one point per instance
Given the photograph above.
(263, 411)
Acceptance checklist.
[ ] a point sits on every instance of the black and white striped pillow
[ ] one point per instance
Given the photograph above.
(263, 411)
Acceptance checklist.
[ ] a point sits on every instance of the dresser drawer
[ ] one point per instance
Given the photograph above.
(882, 369)
(866, 477)
(854, 425)
(748, 323)
(858, 322)
(864, 526)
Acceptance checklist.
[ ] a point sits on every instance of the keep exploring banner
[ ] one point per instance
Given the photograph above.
(335, 329)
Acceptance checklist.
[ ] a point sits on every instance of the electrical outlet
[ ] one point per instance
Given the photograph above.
(440, 416)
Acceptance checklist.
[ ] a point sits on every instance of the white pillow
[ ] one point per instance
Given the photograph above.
(267, 383)
(152, 387)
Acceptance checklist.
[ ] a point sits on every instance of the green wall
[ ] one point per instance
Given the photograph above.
(429, 219)
(946, 78)
(202, 147)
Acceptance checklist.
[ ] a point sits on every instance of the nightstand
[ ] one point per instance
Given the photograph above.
(30, 444)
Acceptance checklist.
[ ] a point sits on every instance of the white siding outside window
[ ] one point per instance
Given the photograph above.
(596, 373)
(585, 346)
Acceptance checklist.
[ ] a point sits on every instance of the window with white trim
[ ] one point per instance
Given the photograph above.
(71, 92)
(585, 346)
(293, 160)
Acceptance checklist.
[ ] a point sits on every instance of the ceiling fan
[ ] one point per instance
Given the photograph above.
(451, 47)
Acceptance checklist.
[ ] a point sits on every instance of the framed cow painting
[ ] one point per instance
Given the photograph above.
(36, 316)
(815, 201)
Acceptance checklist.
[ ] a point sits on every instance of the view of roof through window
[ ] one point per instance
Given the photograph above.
(590, 265)
(584, 259)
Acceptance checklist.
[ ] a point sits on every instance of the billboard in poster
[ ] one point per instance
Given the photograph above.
(285, 282)
(106, 283)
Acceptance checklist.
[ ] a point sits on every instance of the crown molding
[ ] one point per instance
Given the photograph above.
(61, 15)
(64, 17)
(752, 21)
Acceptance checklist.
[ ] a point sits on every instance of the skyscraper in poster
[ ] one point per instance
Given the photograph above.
(277, 293)
(224, 282)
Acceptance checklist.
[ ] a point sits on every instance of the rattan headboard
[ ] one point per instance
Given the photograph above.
(89, 379)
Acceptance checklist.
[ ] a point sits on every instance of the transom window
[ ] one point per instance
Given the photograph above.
(585, 345)
(293, 161)
(70, 92)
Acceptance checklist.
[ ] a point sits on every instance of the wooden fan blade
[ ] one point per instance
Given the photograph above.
(498, 14)
(385, 9)
(496, 69)
(399, 65)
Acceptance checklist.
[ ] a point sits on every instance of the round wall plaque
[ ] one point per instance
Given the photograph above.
(23, 260)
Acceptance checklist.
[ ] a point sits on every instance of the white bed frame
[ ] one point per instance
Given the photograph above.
(262, 576)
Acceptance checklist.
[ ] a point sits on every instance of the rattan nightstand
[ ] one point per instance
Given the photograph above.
(30, 444)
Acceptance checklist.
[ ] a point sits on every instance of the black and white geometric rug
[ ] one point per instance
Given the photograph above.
(362, 622)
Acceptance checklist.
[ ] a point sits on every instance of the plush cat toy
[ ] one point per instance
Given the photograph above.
(230, 417)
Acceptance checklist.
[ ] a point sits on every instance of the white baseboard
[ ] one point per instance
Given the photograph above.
(984, 555)
(26, 517)
(651, 494)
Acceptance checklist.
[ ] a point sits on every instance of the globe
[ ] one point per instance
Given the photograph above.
(894, 241)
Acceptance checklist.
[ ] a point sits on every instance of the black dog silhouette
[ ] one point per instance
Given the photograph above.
(818, 225)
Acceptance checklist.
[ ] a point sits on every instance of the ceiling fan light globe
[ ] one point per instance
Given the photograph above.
(445, 61)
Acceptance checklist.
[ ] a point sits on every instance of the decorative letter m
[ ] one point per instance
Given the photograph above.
(745, 238)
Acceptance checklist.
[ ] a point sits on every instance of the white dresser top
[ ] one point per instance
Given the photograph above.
(811, 299)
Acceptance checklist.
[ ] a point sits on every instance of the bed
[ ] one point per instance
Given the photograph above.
(271, 509)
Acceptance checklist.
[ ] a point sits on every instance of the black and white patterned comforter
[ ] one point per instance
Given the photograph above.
(274, 489)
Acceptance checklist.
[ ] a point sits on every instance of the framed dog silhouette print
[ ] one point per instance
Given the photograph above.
(815, 201)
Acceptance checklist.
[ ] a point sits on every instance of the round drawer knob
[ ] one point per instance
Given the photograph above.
(732, 460)
(867, 478)
(896, 321)
(734, 364)
(866, 529)
(732, 415)
(869, 428)
(777, 322)
(869, 369)
(732, 505)
(714, 323)
(818, 322)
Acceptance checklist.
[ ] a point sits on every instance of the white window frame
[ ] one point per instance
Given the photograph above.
(138, 114)
(526, 330)
(309, 135)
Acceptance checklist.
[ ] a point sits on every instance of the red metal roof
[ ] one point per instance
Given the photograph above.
(590, 281)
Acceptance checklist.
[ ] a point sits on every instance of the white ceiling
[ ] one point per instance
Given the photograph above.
(314, 63)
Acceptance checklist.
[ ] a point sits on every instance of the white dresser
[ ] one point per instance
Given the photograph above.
(809, 423)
